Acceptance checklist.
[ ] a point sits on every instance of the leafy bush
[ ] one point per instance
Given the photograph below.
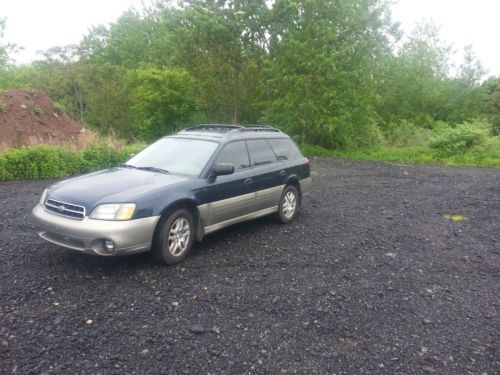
(2, 106)
(38, 111)
(495, 125)
(455, 140)
(405, 133)
(44, 162)
(38, 162)
(97, 157)
(59, 108)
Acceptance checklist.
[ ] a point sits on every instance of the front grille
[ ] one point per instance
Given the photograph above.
(65, 209)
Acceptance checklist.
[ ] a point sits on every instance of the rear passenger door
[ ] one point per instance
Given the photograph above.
(233, 195)
(269, 174)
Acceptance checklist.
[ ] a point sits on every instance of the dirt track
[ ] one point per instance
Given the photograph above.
(371, 278)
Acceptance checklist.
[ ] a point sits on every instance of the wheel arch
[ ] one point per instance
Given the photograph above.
(187, 204)
(294, 181)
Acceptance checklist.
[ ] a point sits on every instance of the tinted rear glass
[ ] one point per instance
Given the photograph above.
(284, 149)
(236, 153)
(260, 152)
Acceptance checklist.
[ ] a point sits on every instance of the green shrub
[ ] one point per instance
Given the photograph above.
(39, 162)
(97, 157)
(38, 111)
(484, 155)
(455, 140)
(495, 125)
(405, 133)
(59, 108)
(132, 149)
(2, 106)
(44, 162)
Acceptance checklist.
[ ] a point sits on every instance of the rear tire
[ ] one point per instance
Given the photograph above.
(175, 238)
(289, 204)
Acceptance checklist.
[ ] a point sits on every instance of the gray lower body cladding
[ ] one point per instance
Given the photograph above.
(220, 214)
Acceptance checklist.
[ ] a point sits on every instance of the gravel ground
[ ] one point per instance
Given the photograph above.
(371, 278)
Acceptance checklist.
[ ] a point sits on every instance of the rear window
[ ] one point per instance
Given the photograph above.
(260, 152)
(284, 149)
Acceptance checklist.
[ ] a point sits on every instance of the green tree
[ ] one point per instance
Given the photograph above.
(323, 63)
(490, 105)
(220, 44)
(163, 100)
(414, 84)
(6, 49)
(107, 100)
(471, 70)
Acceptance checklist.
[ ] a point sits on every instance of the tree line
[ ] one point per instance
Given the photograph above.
(333, 73)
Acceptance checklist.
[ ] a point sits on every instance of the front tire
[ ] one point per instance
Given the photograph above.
(289, 204)
(175, 238)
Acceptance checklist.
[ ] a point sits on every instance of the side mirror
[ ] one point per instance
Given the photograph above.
(221, 169)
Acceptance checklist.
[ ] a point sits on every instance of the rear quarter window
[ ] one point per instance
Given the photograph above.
(284, 149)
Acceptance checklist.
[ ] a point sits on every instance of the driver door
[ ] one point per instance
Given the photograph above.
(230, 196)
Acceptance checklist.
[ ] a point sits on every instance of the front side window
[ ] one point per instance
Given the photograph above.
(176, 155)
(260, 152)
(235, 153)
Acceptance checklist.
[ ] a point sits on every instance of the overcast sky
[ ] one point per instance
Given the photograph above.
(462, 22)
(41, 24)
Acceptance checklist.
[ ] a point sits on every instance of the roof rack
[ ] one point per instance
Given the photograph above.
(223, 129)
(212, 128)
(255, 128)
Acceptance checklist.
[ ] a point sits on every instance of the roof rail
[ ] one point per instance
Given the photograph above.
(212, 127)
(255, 128)
(217, 128)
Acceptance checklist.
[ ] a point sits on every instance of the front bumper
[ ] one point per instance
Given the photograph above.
(89, 235)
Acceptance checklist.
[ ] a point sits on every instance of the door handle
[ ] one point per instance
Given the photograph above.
(282, 172)
(248, 180)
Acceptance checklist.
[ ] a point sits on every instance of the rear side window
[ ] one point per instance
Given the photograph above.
(284, 149)
(260, 152)
(236, 153)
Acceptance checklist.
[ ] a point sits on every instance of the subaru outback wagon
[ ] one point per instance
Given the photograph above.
(177, 190)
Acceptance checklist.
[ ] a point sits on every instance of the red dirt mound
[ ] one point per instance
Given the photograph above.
(28, 117)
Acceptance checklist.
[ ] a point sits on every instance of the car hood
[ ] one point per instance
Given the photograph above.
(116, 185)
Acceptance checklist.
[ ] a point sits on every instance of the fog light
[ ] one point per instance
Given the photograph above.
(109, 245)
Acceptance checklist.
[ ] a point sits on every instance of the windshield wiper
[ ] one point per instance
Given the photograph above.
(129, 166)
(154, 169)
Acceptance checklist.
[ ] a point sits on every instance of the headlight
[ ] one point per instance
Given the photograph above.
(44, 197)
(117, 211)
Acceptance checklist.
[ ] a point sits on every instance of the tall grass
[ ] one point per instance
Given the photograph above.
(487, 155)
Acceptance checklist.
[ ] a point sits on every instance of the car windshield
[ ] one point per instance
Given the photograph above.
(174, 155)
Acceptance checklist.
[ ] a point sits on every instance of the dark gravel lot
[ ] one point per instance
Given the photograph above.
(371, 278)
